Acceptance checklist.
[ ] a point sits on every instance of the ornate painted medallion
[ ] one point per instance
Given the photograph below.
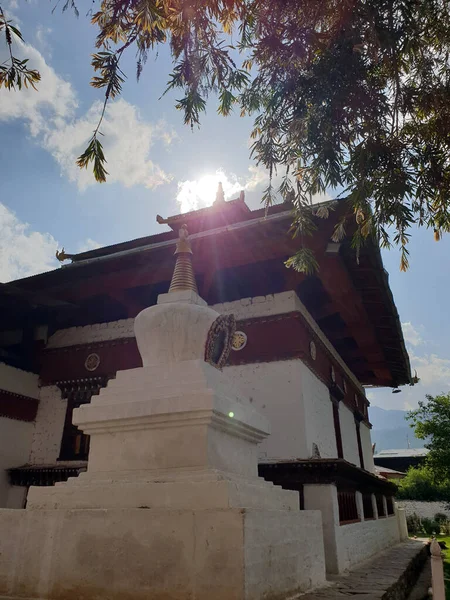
(92, 362)
(239, 340)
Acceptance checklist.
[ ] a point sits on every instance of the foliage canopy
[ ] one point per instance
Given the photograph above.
(421, 483)
(432, 421)
(346, 94)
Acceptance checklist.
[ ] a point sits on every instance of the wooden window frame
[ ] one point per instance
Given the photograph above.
(367, 501)
(348, 507)
(379, 498)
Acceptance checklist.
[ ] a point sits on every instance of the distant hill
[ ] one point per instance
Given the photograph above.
(391, 431)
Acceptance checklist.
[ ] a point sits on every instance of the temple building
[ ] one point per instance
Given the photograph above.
(304, 349)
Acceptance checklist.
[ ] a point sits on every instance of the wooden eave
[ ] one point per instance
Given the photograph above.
(291, 474)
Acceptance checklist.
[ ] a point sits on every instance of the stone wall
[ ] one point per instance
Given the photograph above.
(424, 509)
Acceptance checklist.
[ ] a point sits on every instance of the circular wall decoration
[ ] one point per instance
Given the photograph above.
(333, 374)
(312, 350)
(92, 362)
(239, 340)
(219, 340)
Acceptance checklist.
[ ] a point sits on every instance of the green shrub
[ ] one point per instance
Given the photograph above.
(413, 523)
(430, 527)
(441, 518)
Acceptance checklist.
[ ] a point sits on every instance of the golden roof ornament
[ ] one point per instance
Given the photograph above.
(183, 277)
(61, 255)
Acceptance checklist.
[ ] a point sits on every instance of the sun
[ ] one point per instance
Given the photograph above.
(201, 192)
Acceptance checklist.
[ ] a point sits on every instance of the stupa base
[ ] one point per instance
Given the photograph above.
(137, 554)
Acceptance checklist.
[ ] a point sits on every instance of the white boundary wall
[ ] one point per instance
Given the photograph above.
(424, 509)
(349, 544)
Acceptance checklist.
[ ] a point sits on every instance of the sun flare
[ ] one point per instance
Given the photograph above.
(201, 192)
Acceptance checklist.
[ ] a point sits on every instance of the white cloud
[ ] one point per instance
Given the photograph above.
(41, 36)
(88, 244)
(50, 115)
(432, 370)
(411, 335)
(23, 252)
(44, 110)
(127, 141)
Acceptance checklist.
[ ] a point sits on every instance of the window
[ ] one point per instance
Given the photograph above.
(368, 506)
(348, 511)
(380, 505)
(390, 505)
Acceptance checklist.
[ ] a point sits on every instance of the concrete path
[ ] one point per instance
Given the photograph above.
(389, 575)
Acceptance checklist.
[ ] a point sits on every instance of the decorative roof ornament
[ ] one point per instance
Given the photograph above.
(61, 255)
(183, 277)
(220, 196)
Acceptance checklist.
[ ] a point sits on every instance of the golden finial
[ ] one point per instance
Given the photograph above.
(62, 256)
(183, 277)
(220, 196)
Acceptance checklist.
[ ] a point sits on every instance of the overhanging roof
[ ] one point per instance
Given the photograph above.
(241, 253)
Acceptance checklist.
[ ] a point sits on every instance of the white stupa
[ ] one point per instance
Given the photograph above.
(171, 505)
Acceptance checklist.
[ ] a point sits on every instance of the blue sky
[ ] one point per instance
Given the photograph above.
(156, 165)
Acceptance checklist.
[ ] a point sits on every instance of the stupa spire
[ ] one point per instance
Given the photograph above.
(183, 277)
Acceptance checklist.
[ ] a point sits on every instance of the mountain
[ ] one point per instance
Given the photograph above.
(391, 431)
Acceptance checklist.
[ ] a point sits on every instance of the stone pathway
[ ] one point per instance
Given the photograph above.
(389, 575)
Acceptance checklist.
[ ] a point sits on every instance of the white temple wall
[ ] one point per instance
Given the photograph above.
(275, 390)
(15, 435)
(15, 442)
(348, 431)
(88, 334)
(48, 430)
(18, 381)
(318, 414)
(296, 403)
(366, 443)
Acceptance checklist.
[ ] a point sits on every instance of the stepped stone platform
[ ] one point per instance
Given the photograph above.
(390, 575)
